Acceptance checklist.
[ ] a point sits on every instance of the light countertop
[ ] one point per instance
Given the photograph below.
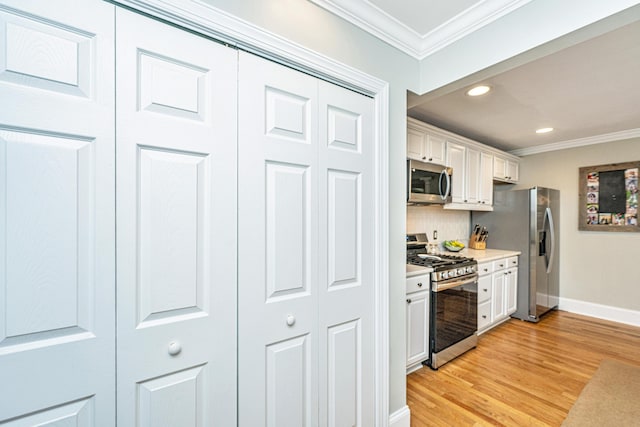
(485, 255)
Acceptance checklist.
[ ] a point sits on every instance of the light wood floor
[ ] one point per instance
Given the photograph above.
(521, 374)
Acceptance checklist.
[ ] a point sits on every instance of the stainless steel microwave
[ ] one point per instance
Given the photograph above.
(428, 183)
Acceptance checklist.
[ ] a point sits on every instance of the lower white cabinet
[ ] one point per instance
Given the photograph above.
(497, 291)
(417, 321)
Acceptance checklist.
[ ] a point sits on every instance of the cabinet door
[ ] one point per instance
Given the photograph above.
(176, 212)
(512, 290)
(435, 149)
(499, 167)
(57, 235)
(512, 171)
(485, 196)
(498, 298)
(416, 144)
(473, 176)
(456, 159)
(417, 327)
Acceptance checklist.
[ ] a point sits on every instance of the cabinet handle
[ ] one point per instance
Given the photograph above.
(430, 158)
(291, 320)
(174, 348)
(419, 284)
(484, 316)
(486, 269)
(424, 158)
(465, 201)
(485, 290)
(501, 265)
(408, 301)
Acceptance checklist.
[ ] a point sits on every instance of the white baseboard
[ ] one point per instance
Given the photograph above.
(400, 418)
(615, 314)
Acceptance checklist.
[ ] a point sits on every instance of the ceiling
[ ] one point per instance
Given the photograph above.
(588, 92)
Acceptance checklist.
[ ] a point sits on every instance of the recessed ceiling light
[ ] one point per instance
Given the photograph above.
(544, 130)
(478, 90)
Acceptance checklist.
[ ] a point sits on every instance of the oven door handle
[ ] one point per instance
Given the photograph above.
(448, 285)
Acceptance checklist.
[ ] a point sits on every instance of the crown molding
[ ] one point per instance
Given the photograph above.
(580, 142)
(388, 29)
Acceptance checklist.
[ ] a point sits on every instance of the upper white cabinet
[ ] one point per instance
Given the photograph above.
(423, 144)
(505, 169)
(475, 166)
(472, 182)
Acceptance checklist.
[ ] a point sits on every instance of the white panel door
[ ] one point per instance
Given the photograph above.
(346, 253)
(57, 237)
(176, 213)
(278, 246)
(306, 297)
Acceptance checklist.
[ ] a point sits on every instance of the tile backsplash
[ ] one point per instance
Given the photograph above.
(451, 224)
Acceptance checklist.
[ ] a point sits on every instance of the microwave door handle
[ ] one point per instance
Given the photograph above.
(446, 192)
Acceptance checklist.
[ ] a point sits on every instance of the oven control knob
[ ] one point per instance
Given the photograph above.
(469, 269)
(445, 275)
(461, 271)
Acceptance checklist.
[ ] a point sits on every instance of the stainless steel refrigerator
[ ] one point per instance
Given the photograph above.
(528, 221)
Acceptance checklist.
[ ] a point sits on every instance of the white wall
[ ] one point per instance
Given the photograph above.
(595, 267)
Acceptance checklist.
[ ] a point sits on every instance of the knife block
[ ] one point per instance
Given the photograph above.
(477, 245)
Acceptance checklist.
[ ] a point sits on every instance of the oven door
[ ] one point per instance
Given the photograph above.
(454, 311)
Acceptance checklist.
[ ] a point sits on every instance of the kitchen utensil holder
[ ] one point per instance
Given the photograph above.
(477, 245)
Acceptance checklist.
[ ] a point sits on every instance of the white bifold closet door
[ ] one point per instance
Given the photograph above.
(57, 250)
(176, 235)
(306, 218)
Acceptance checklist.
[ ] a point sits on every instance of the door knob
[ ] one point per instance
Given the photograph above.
(291, 319)
(175, 348)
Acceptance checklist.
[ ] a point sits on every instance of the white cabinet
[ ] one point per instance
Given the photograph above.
(424, 145)
(505, 169)
(485, 290)
(417, 321)
(485, 186)
(457, 159)
(497, 291)
(472, 182)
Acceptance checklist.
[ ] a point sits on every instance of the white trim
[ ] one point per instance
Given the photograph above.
(580, 142)
(380, 24)
(606, 312)
(400, 418)
(204, 19)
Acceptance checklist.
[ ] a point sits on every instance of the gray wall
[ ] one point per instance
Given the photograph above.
(308, 25)
(595, 267)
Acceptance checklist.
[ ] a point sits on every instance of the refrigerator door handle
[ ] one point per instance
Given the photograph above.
(549, 217)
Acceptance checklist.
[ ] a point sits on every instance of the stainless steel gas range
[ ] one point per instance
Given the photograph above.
(453, 313)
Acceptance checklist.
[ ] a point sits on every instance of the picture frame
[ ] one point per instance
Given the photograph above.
(608, 197)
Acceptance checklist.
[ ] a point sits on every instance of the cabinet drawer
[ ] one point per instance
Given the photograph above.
(484, 289)
(500, 264)
(512, 261)
(485, 268)
(484, 315)
(418, 283)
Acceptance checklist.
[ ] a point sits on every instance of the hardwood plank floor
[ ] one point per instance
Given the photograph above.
(521, 373)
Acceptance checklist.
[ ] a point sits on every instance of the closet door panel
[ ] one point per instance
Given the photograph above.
(176, 212)
(57, 236)
(346, 290)
(278, 211)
